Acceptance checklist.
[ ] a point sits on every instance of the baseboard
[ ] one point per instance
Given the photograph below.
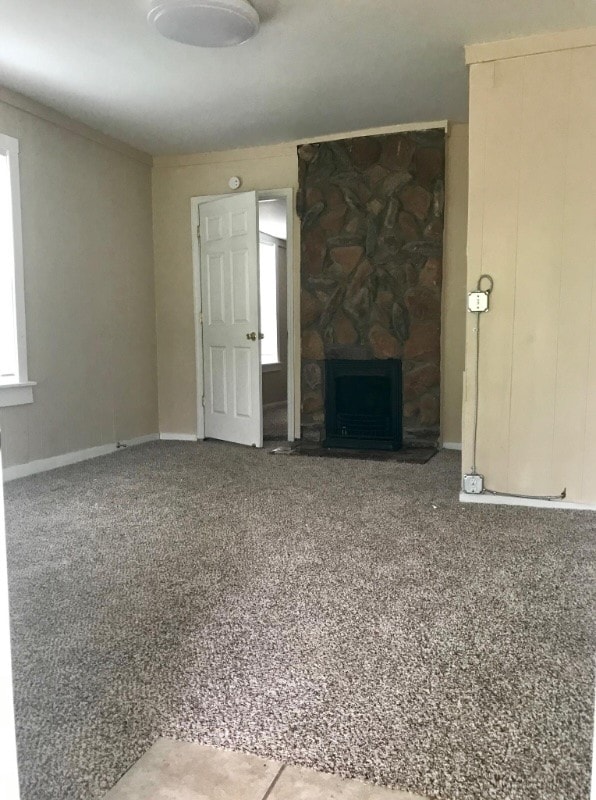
(452, 445)
(178, 437)
(63, 460)
(503, 500)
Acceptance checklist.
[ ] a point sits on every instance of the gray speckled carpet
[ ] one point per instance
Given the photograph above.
(346, 615)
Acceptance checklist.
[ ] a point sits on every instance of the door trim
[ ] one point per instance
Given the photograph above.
(195, 203)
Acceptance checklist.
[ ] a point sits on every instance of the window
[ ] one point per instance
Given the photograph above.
(15, 389)
(268, 264)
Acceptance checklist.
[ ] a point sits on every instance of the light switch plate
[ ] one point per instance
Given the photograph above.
(478, 301)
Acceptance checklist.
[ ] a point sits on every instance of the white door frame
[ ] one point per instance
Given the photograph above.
(195, 202)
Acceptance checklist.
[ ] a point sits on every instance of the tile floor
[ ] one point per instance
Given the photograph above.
(172, 770)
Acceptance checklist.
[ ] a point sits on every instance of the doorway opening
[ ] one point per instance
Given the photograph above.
(243, 279)
(273, 239)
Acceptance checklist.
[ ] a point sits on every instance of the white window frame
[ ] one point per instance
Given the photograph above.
(20, 390)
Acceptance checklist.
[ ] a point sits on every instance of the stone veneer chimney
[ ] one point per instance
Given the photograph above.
(371, 212)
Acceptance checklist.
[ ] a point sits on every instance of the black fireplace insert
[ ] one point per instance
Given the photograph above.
(363, 404)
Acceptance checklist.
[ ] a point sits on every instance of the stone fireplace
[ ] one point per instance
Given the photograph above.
(371, 212)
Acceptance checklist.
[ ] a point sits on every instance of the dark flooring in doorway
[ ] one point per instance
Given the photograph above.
(275, 423)
(350, 616)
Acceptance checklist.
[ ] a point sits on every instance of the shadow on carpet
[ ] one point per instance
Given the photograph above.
(407, 455)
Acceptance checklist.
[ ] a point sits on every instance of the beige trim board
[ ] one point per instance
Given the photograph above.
(285, 149)
(224, 156)
(530, 45)
(507, 500)
(29, 106)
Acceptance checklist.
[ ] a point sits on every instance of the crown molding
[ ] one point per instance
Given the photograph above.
(530, 45)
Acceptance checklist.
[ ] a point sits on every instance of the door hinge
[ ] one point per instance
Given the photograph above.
(198, 231)
(203, 401)
(201, 317)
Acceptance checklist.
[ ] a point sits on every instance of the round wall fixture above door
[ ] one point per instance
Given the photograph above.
(205, 23)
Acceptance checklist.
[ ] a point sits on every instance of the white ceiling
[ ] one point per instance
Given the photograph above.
(316, 66)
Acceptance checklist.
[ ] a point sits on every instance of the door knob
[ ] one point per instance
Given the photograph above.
(252, 336)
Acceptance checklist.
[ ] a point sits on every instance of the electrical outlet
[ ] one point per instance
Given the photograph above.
(478, 301)
(473, 484)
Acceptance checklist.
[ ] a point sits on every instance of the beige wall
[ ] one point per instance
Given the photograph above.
(532, 226)
(175, 181)
(89, 289)
(178, 178)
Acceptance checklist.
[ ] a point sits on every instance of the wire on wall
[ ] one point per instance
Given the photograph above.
(479, 288)
(488, 282)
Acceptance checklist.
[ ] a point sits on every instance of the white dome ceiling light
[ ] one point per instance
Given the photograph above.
(205, 23)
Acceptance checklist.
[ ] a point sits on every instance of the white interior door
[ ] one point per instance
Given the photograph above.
(230, 306)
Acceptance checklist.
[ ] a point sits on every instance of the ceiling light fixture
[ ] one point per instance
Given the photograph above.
(205, 23)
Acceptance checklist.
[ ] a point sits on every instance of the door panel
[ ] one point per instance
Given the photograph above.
(213, 229)
(218, 380)
(215, 288)
(242, 382)
(240, 287)
(239, 223)
(230, 301)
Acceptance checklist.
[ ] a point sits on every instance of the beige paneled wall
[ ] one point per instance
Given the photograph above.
(89, 288)
(177, 179)
(532, 226)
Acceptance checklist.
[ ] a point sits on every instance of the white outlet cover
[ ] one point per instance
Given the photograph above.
(234, 182)
(478, 301)
(473, 484)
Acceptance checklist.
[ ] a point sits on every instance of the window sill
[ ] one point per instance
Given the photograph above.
(16, 394)
(271, 367)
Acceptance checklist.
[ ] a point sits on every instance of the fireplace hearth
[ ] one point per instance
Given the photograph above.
(363, 404)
